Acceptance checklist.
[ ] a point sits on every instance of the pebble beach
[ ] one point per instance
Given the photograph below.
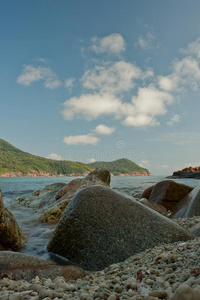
(168, 271)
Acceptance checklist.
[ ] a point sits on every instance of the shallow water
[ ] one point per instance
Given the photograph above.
(38, 234)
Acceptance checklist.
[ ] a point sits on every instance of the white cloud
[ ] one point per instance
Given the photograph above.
(91, 160)
(174, 119)
(87, 139)
(166, 83)
(146, 106)
(54, 156)
(91, 106)
(145, 42)
(113, 78)
(185, 72)
(69, 83)
(113, 44)
(104, 130)
(193, 48)
(32, 74)
(142, 111)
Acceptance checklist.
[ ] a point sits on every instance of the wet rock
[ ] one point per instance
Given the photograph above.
(11, 236)
(100, 227)
(168, 193)
(19, 266)
(189, 206)
(52, 200)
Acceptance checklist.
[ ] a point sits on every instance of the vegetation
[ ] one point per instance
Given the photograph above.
(120, 166)
(13, 160)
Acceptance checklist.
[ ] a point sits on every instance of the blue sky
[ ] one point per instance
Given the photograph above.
(101, 80)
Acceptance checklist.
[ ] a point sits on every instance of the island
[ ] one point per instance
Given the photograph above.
(15, 162)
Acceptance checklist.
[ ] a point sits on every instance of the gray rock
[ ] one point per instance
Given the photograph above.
(195, 229)
(100, 227)
(189, 206)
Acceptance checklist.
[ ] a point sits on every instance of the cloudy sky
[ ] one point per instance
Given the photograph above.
(90, 80)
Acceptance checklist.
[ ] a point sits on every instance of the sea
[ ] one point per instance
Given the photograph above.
(38, 234)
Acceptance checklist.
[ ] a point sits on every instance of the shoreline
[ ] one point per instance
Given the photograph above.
(12, 175)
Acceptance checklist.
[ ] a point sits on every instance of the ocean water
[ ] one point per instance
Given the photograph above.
(38, 234)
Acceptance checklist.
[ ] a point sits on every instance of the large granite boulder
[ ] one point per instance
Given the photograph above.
(100, 227)
(19, 266)
(168, 193)
(50, 202)
(189, 206)
(11, 236)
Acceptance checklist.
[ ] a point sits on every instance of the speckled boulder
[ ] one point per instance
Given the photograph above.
(100, 227)
(19, 266)
(189, 206)
(168, 193)
(11, 236)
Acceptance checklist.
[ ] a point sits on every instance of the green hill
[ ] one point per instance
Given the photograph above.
(13, 160)
(120, 166)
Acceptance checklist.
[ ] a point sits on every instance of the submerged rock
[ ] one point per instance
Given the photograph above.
(19, 266)
(11, 236)
(50, 202)
(189, 206)
(100, 227)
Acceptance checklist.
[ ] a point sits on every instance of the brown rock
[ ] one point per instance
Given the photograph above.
(168, 193)
(11, 236)
(157, 207)
(146, 194)
(19, 266)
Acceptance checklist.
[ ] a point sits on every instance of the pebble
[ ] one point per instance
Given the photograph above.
(168, 271)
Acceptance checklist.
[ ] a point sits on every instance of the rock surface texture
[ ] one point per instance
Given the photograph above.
(168, 193)
(100, 227)
(19, 266)
(189, 206)
(11, 236)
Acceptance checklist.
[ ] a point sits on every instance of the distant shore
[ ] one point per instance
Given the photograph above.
(44, 174)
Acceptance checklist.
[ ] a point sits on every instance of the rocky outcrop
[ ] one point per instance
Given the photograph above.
(19, 266)
(100, 227)
(167, 193)
(52, 200)
(189, 206)
(187, 173)
(11, 236)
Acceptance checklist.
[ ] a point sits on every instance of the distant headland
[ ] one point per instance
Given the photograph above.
(17, 163)
(189, 172)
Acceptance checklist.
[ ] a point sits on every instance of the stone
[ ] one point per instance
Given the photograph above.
(157, 207)
(19, 266)
(50, 202)
(101, 227)
(196, 229)
(11, 236)
(168, 193)
(184, 292)
(189, 206)
(146, 194)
